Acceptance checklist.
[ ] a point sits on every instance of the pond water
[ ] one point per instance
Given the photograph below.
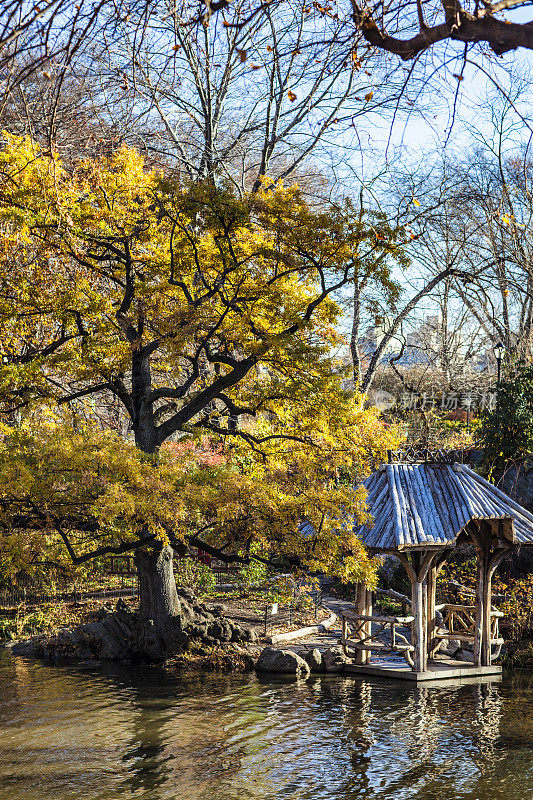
(69, 733)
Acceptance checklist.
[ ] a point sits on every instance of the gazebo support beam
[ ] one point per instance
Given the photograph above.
(363, 605)
(417, 569)
(433, 573)
(491, 565)
(488, 560)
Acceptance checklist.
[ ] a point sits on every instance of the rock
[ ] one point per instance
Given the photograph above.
(221, 629)
(227, 628)
(315, 660)
(282, 662)
(250, 635)
(334, 659)
(24, 648)
(218, 609)
(450, 647)
(237, 634)
(465, 655)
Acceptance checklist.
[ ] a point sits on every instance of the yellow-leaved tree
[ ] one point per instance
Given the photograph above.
(206, 319)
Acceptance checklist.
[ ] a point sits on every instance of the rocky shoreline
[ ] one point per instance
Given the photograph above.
(122, 635)
(206, 640)
(202, 638)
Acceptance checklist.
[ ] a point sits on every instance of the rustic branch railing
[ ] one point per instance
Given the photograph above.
(417, 455)
(459, 622)
(357, 634)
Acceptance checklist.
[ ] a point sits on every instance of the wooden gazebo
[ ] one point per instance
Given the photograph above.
(421, 512)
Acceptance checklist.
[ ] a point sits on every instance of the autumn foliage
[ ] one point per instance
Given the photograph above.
(168, 364)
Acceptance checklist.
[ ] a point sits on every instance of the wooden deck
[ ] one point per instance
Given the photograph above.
(439, 670)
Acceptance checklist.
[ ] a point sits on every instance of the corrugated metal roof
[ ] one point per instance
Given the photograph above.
(429, 504)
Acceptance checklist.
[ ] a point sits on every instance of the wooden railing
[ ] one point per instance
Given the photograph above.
(357, 634)
(459, 622)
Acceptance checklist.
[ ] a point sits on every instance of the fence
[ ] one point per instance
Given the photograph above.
(276, 614)
(117, 578)
(224, 573)
(31, 594)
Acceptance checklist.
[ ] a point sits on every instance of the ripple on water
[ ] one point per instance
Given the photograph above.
(72, 733)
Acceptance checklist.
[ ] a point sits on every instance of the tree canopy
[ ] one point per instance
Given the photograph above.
(134, 303)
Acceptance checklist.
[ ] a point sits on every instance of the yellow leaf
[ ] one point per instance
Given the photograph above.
(416, 202)
(369, 96)
(291, 95)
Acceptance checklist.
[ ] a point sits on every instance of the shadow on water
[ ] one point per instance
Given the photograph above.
(73, 733)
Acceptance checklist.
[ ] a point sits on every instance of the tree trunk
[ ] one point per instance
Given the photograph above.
(158, 599)
(159, 606)
(167, 621)
(161, 615)
(143, 411)
(354, 338)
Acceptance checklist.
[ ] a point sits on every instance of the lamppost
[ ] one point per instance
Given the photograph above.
(499, 350)
(467, 402)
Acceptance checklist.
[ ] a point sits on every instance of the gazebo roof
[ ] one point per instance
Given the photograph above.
(428, 505)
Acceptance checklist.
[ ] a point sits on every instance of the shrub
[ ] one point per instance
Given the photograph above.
(194, 575)
(508, 430)
(251, 574)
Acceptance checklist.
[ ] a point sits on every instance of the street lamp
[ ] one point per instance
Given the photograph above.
(499, 350)
(467, 402)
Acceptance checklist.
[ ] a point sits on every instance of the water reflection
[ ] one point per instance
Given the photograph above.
(141, 733)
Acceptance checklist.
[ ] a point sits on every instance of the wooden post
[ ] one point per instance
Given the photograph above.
(478, 630)
(425, 617)
(360, 608)
(486, 650)
(491, 563)
(487, 561)
(479, 544)
(368, 631)
(417, 569)
(432, 621)
(417, 636)
(344, 635)
(417, 611)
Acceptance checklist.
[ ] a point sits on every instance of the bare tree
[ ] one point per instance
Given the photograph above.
(472, 250)
(408, 28)
(276, 91)
(439, 234)
(245, 97)
(34, 34)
